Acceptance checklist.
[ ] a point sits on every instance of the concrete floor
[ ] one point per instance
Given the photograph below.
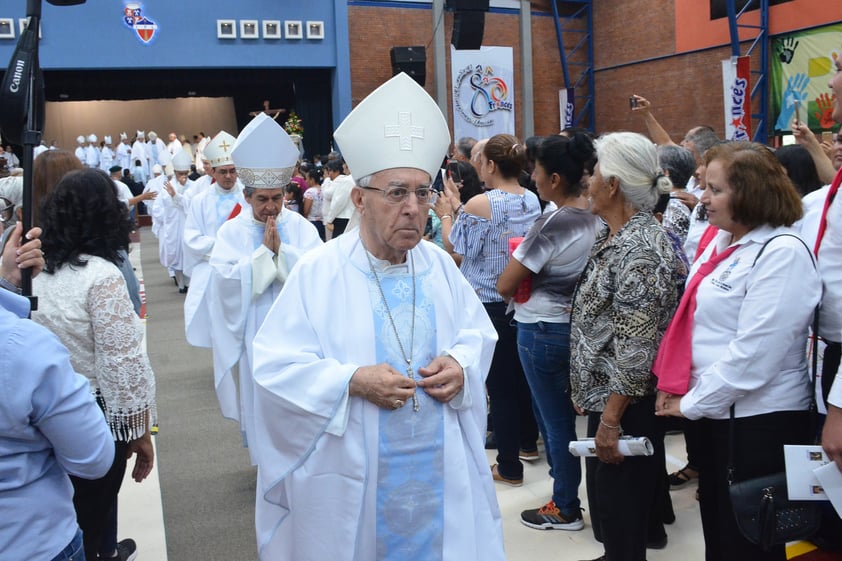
(198, 505)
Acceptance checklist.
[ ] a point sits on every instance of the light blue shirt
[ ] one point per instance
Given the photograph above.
(49, 426)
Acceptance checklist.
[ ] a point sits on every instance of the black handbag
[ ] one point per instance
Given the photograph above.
(765, 516)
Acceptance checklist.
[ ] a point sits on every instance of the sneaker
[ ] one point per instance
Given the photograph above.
(529, 456)
(126, 551)
(510, 482)
(548, 517)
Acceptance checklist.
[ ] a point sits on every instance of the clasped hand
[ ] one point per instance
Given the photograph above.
(384, 386)
(271, 239)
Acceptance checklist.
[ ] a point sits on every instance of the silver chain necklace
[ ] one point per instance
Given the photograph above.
(407, 358)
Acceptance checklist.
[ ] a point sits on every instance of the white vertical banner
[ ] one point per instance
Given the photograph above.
(483, 92)
(736, 75)
(566, 107)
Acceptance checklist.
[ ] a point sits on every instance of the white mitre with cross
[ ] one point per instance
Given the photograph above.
(264, 154)
(218, 150)
(397, 126)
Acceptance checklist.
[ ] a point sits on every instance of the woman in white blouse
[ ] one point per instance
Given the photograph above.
(747, 335)
(83, 299)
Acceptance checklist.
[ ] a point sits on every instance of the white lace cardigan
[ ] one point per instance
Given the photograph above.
(89, 310)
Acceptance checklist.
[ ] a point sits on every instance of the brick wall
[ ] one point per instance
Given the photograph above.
(686, 90)
(375, 30)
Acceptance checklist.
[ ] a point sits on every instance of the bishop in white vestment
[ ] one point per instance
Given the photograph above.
(370, 371)
(207, 212)
(251, 260)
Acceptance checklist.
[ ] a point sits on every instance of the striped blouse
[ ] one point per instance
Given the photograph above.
(484, 243)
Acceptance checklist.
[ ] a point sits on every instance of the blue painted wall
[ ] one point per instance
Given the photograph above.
(94, 36)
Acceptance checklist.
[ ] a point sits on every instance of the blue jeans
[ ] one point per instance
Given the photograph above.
(544, 350)
(74, 550)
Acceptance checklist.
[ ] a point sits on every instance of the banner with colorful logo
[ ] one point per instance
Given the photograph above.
(566, 107)
(736, 88)
(483, 92)
(802, 64)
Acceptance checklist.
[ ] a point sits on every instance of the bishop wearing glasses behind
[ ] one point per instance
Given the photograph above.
(372, 424)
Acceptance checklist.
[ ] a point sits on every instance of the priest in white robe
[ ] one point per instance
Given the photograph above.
(92, 152)
(208, 211)
(80, 149)
(170, 214)
(251, 260)
(370, 370)
(155, 185)
(156, 151)
(124, 152)
(106, 155)
(139, 152)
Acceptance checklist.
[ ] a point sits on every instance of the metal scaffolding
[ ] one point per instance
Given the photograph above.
(760, 82)
(574, 21)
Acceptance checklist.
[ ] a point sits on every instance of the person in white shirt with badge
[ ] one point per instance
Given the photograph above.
(251, 260)
(372, 424)
(738, 340)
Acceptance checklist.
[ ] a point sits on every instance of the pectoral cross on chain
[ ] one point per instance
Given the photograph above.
(411, 374)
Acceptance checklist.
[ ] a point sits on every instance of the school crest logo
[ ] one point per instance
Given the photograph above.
(144, 28)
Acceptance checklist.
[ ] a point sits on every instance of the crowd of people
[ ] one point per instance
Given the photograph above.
(643, 284)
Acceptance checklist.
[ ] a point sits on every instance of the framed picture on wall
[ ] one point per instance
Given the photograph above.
(7, 28)
(249, 29)
(315, 30)
(226, 29)
(292, 30)
(22, 25)
(271, 29)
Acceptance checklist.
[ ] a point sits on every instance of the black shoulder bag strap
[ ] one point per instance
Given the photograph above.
(814, 357)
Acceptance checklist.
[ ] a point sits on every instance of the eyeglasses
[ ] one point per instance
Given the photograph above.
(399, 195)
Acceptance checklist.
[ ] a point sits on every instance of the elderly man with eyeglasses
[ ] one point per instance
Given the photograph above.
(370, 368)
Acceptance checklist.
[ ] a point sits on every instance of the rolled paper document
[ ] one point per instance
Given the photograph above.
(629, 446)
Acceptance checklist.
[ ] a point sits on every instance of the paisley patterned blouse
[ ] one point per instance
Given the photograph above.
(626, 297)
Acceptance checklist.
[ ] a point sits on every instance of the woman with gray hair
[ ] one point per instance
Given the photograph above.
(625, 299)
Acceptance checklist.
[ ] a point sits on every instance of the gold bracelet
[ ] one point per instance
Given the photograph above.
(445, 216)
(612, 427)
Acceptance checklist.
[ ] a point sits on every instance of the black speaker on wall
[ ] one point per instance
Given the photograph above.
(473, 5)
(468, 23)
(412, 60)
(468, 28)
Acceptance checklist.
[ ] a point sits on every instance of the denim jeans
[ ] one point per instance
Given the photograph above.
(74, 550)
(544, 350)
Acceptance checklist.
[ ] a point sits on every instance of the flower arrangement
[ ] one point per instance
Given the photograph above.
(293, 124)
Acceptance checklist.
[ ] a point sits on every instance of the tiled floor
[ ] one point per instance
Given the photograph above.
(527, 544)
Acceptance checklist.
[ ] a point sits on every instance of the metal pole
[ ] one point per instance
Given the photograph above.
(440, 56)
(527, 95)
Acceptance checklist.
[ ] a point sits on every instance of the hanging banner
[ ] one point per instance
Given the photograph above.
(802, 65)
(483, 92)
(736, 85)
(566, 107)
